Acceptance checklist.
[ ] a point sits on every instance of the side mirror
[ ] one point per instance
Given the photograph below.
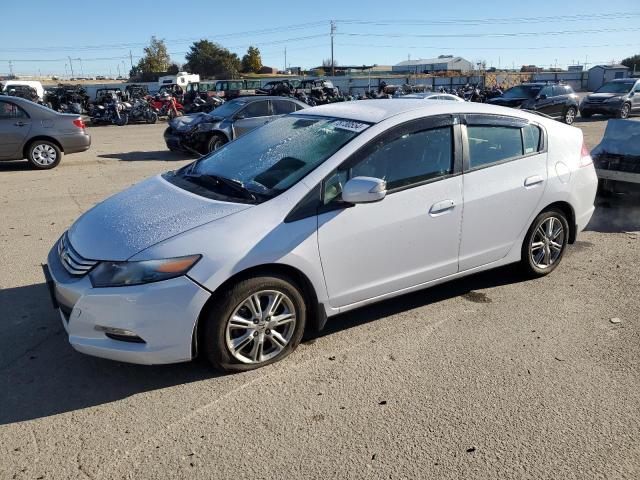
(542, 97)
(239, 116)
(364, 190)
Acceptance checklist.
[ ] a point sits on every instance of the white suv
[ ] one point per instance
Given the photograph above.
(316, 213)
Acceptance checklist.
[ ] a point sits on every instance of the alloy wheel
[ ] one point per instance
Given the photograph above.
(547, 243)
(260, 327)
(44, 154)
(570, 116)
(624, 111)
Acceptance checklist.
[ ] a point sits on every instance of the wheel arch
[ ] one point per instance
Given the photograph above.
(316, 314)
(28, 143)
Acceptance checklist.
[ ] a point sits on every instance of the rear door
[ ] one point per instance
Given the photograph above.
(15, 125)
(505, 175)
(254, 115)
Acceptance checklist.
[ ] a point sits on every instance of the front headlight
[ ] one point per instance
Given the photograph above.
(614, 100)
(121, 274)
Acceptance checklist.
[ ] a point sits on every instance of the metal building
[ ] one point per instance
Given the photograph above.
(601, 74)
(444, 63)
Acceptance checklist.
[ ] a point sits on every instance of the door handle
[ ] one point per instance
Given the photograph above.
(19, 124)
(532, 181)
(440, 208)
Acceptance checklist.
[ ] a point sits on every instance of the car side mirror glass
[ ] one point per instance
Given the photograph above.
(239, 116)
(364, 190)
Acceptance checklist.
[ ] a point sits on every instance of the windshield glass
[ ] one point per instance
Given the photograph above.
(522, 91)
(270, 159)
(228, 108)
(615, 87)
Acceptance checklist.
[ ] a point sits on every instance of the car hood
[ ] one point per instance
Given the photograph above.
(141, 216)
(621, 138)
(604, 95)
(507, 102)
(187, 122)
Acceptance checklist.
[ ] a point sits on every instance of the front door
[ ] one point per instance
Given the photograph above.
(504, 179)
(412, 235)
(546, 105)
(14, 128)
(254, 115)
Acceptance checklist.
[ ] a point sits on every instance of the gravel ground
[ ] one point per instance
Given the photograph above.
(485, 377)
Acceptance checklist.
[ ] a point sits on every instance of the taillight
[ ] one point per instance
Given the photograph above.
(79, 123)
(585, 156)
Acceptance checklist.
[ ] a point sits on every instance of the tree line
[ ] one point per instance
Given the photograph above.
(204, 57)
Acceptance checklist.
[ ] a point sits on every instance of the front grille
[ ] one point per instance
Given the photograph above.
(596, 100)
(72, 261)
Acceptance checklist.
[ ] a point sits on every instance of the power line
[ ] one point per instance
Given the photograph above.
(448, 47)
(486, 35)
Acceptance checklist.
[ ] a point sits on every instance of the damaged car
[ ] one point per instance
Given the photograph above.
(201, 133)
(617, 158)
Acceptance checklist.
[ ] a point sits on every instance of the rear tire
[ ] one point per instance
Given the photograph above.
(151, 118)
(43, 155)
(123, 120)
(545, 243)
(570, 115)
(255, 337)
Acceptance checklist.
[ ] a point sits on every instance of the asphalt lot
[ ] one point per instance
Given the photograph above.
(486, 377)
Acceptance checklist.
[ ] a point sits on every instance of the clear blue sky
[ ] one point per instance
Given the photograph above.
(372, 32)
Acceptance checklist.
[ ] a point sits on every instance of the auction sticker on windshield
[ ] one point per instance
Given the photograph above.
(350, 125)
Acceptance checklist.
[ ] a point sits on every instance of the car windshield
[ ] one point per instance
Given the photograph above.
(522, 91)
(615, 87)
(228, 108)
(270, 159)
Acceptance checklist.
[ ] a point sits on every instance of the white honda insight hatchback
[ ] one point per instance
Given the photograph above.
(314, 214)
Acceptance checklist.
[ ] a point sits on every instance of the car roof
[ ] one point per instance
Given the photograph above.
(375, 111)
(624, 80)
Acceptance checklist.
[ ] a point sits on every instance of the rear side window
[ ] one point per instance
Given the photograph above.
(256, 109)
(492, 144)
(282, 107)
(9, 110)
(531, 139)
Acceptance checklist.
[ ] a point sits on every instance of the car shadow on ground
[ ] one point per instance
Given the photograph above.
(616, 213)
(158, 155)
(15, 166)
(41, 375)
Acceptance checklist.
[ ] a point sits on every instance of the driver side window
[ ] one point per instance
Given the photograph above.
(404, 160)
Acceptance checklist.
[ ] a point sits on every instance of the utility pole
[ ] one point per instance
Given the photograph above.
(10, 69)
(285, 59)
(333, 65)
(131, 59)
(81, 69)
(71, 66)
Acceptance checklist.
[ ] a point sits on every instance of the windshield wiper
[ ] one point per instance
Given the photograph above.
(215, 180)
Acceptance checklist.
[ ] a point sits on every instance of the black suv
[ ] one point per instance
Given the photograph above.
(617, 97)
(556, 100)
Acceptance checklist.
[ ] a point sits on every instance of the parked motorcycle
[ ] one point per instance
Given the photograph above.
(139, 110)
(166, 105)
(112, 112)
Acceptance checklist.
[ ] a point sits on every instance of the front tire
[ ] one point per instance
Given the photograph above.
(545, 243)
(215, 142)
(256, 322)
(123, 120)
(44, 155)
(151, 117)
(624, 111)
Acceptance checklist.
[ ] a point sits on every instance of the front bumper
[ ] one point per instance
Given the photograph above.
(163, 314)
(603, 108)
(174, 142)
